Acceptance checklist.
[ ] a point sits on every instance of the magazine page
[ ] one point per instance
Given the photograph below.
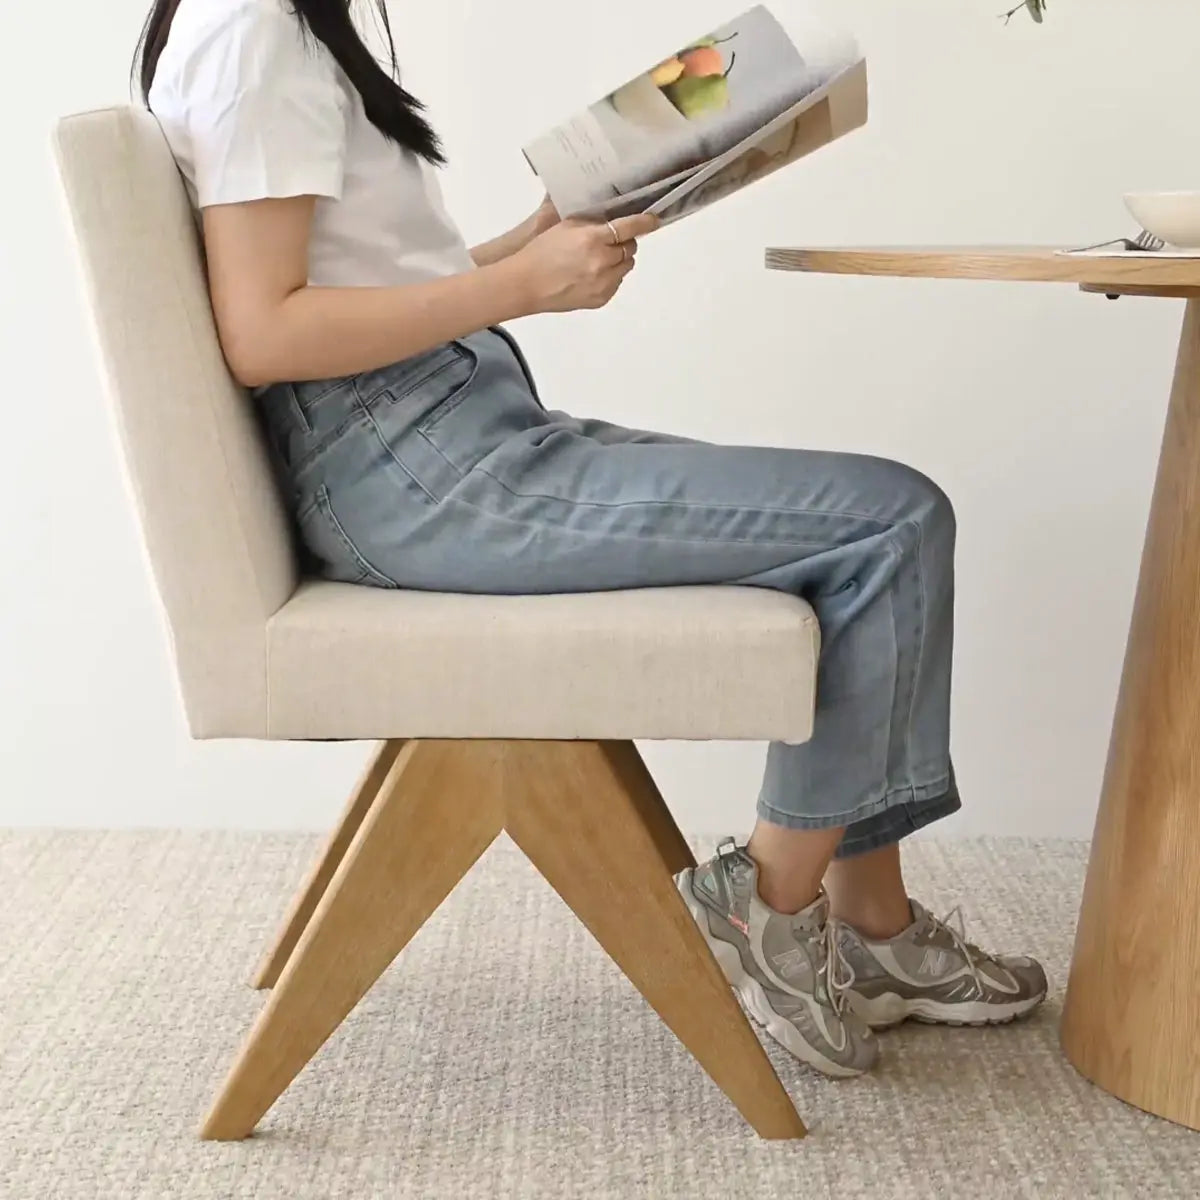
(830, 113)
(642, 140)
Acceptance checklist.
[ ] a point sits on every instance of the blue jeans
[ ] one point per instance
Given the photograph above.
(445, 473)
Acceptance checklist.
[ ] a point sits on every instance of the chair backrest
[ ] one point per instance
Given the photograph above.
(219, 541)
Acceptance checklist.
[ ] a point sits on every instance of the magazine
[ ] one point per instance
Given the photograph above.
(728, 109)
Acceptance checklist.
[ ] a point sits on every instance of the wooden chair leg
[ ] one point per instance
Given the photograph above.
(434, 815)
(309, 895)
(578, 810)
(639, 785)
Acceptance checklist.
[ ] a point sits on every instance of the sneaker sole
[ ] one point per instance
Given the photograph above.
(752, 995)
(889, 1009)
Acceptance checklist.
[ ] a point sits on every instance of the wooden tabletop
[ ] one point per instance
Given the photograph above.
(1180, 276)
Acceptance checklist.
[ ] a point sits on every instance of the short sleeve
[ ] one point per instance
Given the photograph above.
(265, 111)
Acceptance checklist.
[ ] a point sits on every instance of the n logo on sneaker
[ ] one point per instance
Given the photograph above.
(935, 962)
(787, 962)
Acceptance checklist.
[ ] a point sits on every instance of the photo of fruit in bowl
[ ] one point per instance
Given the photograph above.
(696, 80)
(688, 85)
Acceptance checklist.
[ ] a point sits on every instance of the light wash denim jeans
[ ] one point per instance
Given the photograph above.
(445, 472)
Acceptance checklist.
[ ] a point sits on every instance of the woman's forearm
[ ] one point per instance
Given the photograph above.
(325, 333)
(516, 239)
(507, 244)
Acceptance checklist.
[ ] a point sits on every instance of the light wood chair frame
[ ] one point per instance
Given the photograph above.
(589, 817)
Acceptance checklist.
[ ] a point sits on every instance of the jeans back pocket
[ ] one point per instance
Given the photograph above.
(326, 538)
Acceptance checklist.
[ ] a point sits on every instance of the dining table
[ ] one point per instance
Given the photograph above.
(1131, 1015)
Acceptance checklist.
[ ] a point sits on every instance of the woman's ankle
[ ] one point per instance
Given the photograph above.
(867, 893)
(875, 922)
(791, 864)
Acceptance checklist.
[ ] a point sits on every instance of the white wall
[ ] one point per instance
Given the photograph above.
(1038, 408)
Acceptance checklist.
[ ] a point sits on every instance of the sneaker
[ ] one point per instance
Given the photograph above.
(930, 972)
(781, 967)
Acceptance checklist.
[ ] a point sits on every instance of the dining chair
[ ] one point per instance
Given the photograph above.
(493, 714)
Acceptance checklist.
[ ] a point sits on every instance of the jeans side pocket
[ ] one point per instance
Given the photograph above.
(449, 387)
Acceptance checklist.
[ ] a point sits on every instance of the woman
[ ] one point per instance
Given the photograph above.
(416, 454)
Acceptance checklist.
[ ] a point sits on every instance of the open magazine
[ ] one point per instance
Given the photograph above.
(718, 115)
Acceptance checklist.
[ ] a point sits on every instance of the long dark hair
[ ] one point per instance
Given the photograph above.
(392, 110)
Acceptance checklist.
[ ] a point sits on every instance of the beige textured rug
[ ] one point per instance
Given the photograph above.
(503, 1055)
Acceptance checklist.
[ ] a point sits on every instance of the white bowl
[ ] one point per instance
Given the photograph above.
(1173, 216)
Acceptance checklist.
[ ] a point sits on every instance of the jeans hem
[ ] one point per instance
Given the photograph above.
(881, 823)
(912, 794)
(895, 824)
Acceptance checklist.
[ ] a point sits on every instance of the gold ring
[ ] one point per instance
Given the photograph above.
(613, 230)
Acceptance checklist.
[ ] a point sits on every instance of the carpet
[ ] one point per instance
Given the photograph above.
(503, 1055)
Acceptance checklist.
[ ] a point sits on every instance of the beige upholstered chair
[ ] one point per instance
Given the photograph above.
(495, 714)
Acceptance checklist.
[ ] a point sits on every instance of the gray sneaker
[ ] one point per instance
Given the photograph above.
(780, 966)
(930, 972)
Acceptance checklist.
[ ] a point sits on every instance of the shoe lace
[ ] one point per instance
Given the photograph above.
(954, 926)
(836, 968)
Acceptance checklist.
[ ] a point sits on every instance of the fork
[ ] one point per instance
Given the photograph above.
(1144, 241)
(1147, 241)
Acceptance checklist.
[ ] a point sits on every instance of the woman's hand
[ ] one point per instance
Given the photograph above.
(580, 264)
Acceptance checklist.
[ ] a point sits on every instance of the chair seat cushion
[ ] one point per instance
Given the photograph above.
(720, 663)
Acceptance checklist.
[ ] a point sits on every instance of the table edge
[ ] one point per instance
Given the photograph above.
(997, 263)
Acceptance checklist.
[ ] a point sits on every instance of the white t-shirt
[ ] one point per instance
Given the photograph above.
(253, 107)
